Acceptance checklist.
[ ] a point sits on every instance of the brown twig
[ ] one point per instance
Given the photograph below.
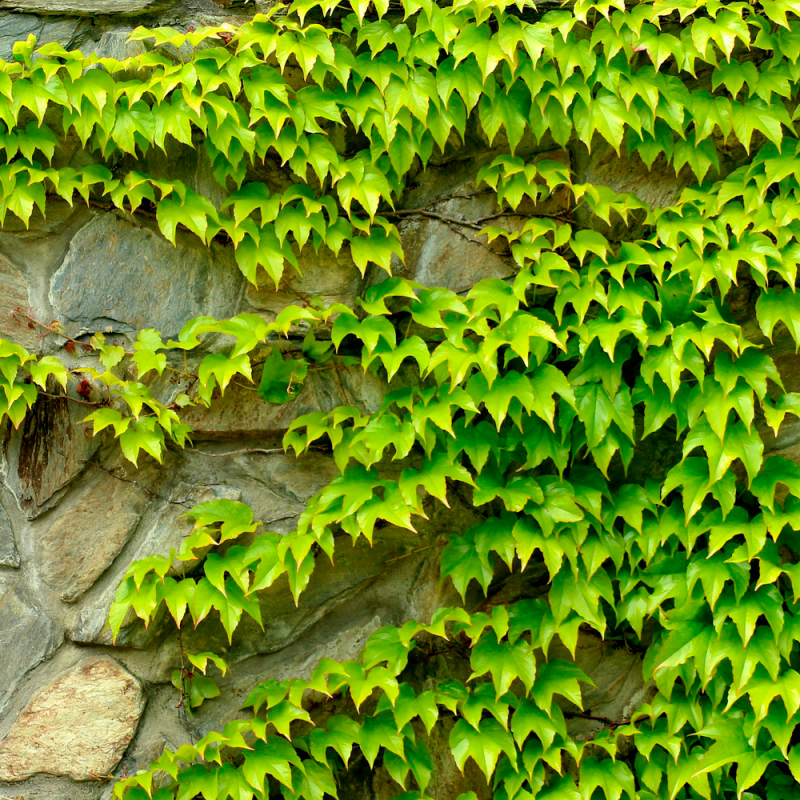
(499, 214)
(72, 399)
(271, 451)
(604, 720)
(53, 327)
(423, 212)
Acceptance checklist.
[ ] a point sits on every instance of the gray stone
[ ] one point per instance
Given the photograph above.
(387, 583)
(16, 27)
(439, 252)
(9, 557)
(27, 637)
(89, 529)
(15, 297)
(243, 412)
(89, 8)
(120, 277)
(617, 673)
(115, 44)
(79, 726)
(46, 453)
(332, 278)
(162, 527)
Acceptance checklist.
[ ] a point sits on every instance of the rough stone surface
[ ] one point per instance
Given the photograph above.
(325, 275)
(139, 280)
(162, 527)
(78, 726)
(89, 8)
(658, 187)
(242, 412)
(91, 527)
(9, 556)
(46, 453)
(27, 637)
(14, 27)
(15, 295)
(617, 674)
(438, 251)
(359, 593)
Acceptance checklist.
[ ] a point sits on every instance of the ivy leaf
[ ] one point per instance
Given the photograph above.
(773, 307)
(341, 733)
(46, 366)
(281, 379)
(559, 677)
(218, 368)
(596, 411)
(613, 778)
(505, 661)
(380, 732)
(461, 562)
(312, 781)
(142, 434)
(775, 470)
(483, 745)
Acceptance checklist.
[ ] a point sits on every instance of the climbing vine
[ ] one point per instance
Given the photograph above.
(537, 396)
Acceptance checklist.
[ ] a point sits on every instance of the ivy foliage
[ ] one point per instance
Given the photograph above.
(542, 397)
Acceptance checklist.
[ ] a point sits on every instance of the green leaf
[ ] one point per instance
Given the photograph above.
(613, 778)
(281, 379)
(142, 434)
(483, 744)
(505, 661)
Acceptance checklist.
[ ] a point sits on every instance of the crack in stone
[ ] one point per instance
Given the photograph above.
(147, 491)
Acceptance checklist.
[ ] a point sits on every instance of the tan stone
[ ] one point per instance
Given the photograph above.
(162, 527)
(90, 527)
(658, 187)
(78, 726)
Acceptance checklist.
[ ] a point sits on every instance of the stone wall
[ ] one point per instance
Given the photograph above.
(75, 708)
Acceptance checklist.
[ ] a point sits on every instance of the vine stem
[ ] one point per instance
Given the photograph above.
(54, 327)
(411, 553)
(271, 451)
(423, 212)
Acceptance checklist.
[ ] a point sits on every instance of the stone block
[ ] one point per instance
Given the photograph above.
(241, 412)
(27, 637)
(9, 557)
(15, 27)
(78, 726)
(617, 674)
(439, 252)
(89, 528)
(15, 294)
(119, 277)
(46, 453)
(333, 278)
(87, 8)
(368, 586)
(162, 527)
